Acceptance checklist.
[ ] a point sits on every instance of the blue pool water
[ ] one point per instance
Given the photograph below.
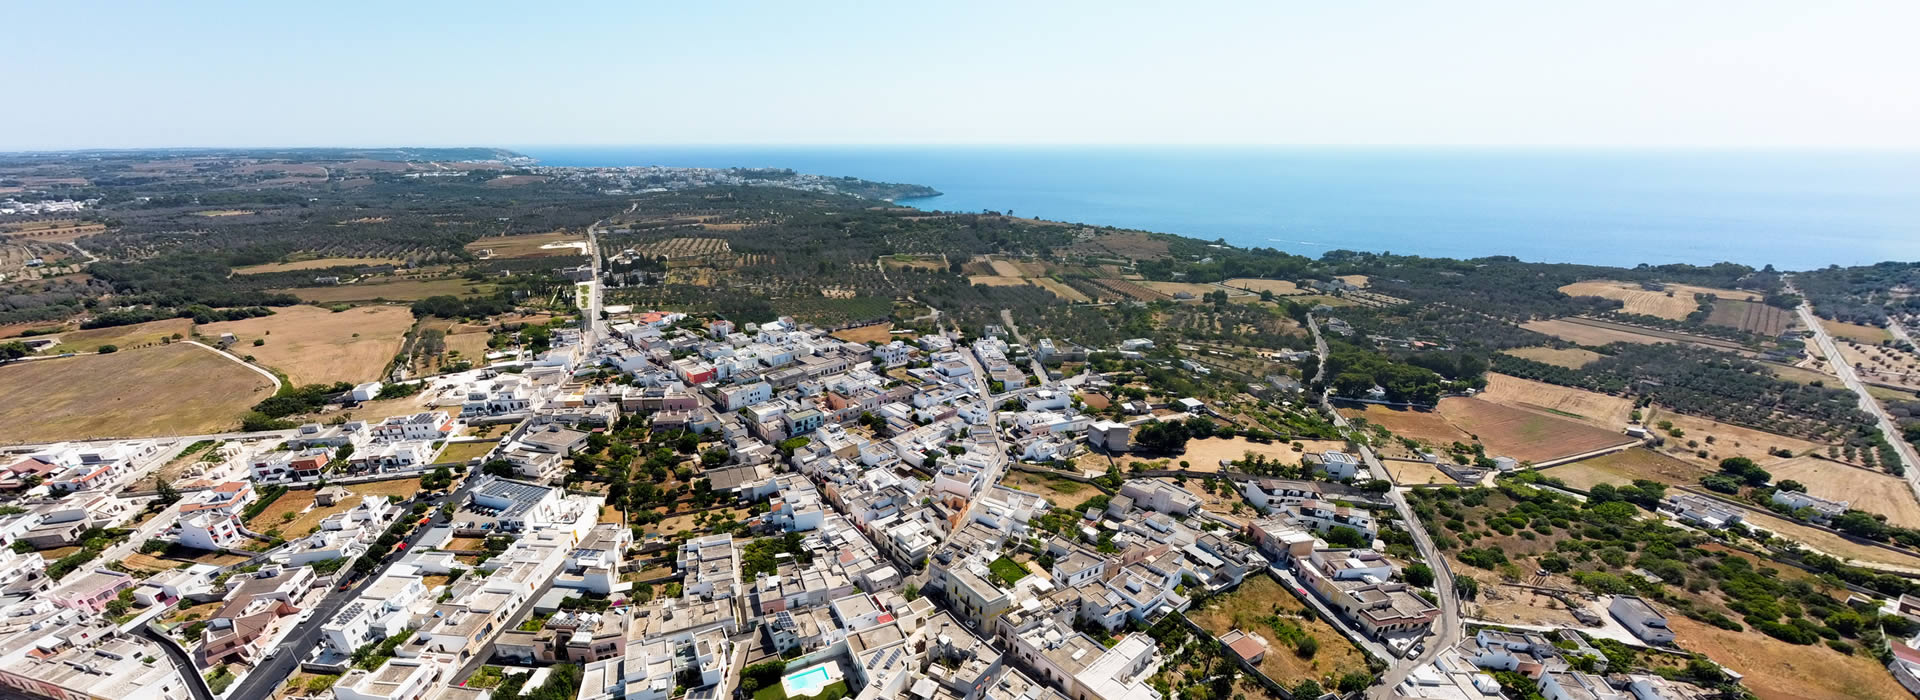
(810, 681)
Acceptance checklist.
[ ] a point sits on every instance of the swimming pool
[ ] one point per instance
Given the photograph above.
(809, 681)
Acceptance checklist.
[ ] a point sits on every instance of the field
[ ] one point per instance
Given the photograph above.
(1727, 440)
(306, 516)
(125, 337)
(1205, 455)
(876, 333)
(1525, 435)
(1871, 491)
(1674, 302)
(1625, 466)
(396, 290)
(1427, 426)
(1131, 290)
(1593, 408)
(460, 452)
(1355, 280)
(677, 248)
(1278, 287)
(1133, 246)
(1775, 669)
(532, 245)
(1059, 289)
(1258, 606)
(1749, 316)
(313, 345)
(1570, 358)
(391, 488)
(314, 264)
(997, 280)
(1062, 493)
(51, 230)
(1409, 473)
(167, 390)
(1801, 374)
(1587, 331)
(1171, 288)
(914, 262)
(1855, 332)
(1882, 364)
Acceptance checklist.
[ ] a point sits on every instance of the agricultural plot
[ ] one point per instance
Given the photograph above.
(1751, 317)
(1425, 426)
(1870, 335)
(914, 262)
(123, 337)
(997, 280)
(1525, 435)
(51, 230)
(1171, 288)
(1625, 466)
(1593, 408)
(1132, 246)
(1671, 301)
(1059, 289)
(683, 248)
(1588, 331)
(533, 245)
(1871, 491)
(1570, 358)
(313, 345)
(1415, 473)
(1131, 290)
(1278, 287)
(1062, 493)
(397, 290)
(1722, 440)
(314, 264)
(175, 389)
(1881, 364)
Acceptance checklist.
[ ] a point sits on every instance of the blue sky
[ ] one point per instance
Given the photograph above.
(1747, 73)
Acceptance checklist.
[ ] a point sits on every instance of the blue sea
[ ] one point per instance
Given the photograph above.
(1790, 209)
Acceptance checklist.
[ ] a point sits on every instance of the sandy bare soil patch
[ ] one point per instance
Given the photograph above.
(314, 346)
(1570, 358)
(876, 333)
(1871, 491)
(314, 264)
(175, 389)
(1406, 473)
(1593, 408)
(997, 280)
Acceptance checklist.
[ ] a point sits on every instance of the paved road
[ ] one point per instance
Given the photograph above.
(268, 676)
(1867, 403)
(1449, 630)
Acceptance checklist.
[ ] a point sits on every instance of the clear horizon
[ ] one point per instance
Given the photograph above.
(1770, 74)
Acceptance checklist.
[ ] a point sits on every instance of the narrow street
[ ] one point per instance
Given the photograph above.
(1449, 630)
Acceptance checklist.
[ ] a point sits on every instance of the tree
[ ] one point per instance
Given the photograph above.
(1343, 536)
(164, 492)
(12, 351)
(1308, 688)
(109, 349)
(1419, 575)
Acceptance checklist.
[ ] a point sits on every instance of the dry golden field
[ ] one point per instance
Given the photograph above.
(124, 337)
(1278, 287)
(1570, 358)
(1728, 440)
(1674, 302)
(1593, 408)
(876, 333)
(1871, 491)
(177, 389)
(1525, 435)
(397, 290)
(1871, 335)
(1751, 316)
(1625, 466)
(316, 346)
